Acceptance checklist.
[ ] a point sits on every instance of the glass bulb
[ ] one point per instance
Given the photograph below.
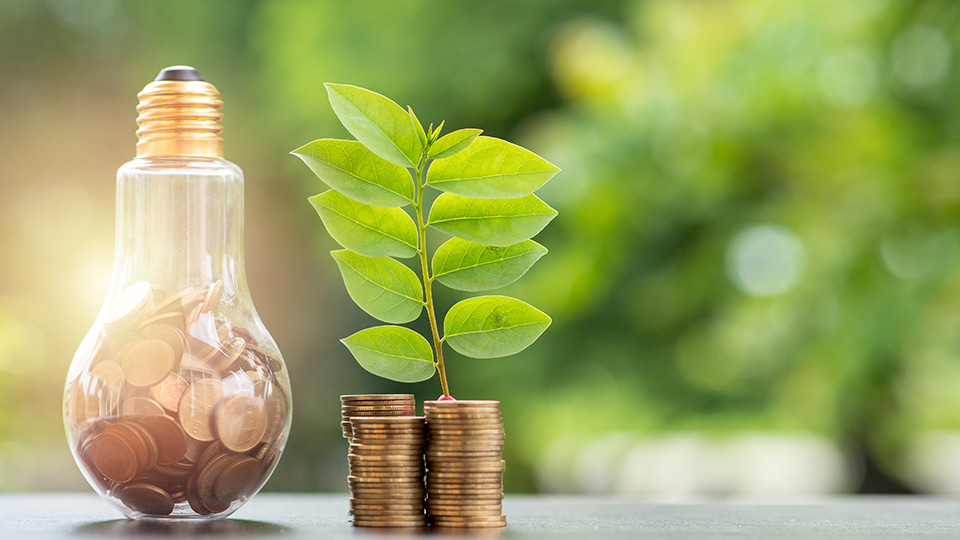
(177, 403)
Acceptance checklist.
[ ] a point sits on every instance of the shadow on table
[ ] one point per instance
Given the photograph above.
(226, 528)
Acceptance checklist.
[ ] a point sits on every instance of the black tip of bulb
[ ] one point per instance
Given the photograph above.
(179, 73)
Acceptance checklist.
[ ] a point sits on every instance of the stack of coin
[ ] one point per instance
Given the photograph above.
(464, 464)
(177, 410)
(374, 405)
(386, 471)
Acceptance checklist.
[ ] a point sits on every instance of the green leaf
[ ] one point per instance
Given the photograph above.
(392, 352)
(494, 222)
(468, 266)
(491, 168)
(381, 286)
(358, 173)
(453, 142)
(417, 127)
(493, 326)
(435, 133)
(367, 230)
(376, 121)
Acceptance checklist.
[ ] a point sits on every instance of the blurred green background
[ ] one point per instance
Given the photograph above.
(754, 278)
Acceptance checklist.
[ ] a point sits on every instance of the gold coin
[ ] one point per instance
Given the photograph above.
(469, 465)
(241, 422)
(390, 523)
(465, 512)
(376, 397)
(464, 506)
(140, 406)
(387, 459)
(375, 510)
(131, 301)
(443, 524)
(395, 469)
(168, 392)
(385, 479)
(388, 493)
(468, 474)
(196, 408)
(439, 432)
(459, 495)
(148, 362)
(439, 455)
(464, 423)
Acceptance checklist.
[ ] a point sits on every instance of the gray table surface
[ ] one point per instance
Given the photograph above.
(270, 515)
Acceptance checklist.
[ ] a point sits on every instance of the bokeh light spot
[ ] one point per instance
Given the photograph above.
(847, 77)
(765, 260)
(920, 56)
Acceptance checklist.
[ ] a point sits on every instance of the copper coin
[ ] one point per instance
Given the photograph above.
(106, 388)
(146, 499)
(191, 299)
(168, 392)
(168, 334)
(133, 439)
(196, 408)
(113, 457)
(170, 438)
(245, 334)
(241, 422)
(193, 498)
(238, 479)
(212, 298)
(130, 302)
(140, 406)
(194, 449)
(147, 442)
(148, 362)
(275, 402)
(207, 478)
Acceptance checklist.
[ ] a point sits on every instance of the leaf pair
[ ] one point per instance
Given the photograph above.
(482, 327)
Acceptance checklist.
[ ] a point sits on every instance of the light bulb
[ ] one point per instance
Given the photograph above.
(177, 403)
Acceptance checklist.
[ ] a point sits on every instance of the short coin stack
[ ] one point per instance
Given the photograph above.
(386, 471)
(464, 464)
(374, 405)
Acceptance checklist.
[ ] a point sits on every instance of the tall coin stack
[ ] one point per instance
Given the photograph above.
(374, 405)
(464, 464)
(386, 471)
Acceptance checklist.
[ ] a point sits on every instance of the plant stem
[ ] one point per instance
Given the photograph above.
(428, 281)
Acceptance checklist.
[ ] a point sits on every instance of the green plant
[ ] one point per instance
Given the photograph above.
(487, 205)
